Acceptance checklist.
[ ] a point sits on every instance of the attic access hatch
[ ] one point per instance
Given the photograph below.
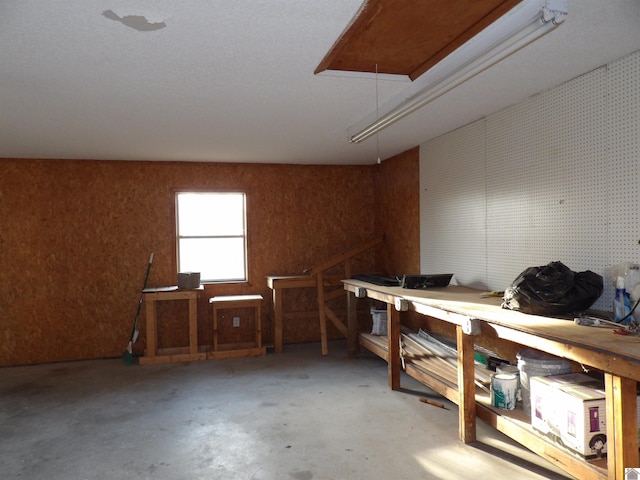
(408, 37)
(470, 47)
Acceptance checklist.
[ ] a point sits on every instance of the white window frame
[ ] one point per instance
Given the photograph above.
(205, 277)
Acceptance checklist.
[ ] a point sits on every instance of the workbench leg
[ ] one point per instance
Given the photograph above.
(259, 326)
(277, 319)
(622, 425)
(193, 325)
(393, 331)
(466, 387)
(215, 329)
(352, 325)
(323, 317)
(152, 332)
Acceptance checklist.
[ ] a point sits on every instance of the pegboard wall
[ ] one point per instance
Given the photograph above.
(555, 177)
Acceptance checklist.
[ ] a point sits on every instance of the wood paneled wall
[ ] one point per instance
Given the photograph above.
(397, 200)
(75, 238)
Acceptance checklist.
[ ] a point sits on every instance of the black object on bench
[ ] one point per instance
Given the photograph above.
(381, 280)
(426, 281)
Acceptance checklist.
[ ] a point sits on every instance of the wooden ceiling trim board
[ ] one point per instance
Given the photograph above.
(342, 41)
(502, 8)
(407, 37)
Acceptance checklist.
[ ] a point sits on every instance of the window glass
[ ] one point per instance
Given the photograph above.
(211, 235)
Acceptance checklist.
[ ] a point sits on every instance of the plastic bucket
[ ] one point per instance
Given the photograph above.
(513, 370)
(504, 389)
(534, 363)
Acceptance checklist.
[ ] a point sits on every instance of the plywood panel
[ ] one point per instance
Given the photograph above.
(408, 37)
(75, 238)
(397, 203)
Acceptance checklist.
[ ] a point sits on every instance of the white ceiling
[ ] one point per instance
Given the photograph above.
(232, 80)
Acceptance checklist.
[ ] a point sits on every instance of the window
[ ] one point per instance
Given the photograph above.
(212, 235)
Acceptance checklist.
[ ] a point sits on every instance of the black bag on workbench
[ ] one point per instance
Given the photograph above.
(553, 290)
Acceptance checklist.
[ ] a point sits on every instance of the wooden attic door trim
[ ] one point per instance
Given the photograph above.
(408, 37)
(501, 7)
(323, 297)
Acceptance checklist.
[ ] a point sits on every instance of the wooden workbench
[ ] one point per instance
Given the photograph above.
(597, 348)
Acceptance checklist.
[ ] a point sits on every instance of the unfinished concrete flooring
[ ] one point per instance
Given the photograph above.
(297, 416)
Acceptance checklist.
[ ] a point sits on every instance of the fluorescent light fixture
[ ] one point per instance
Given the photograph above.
(516, 29)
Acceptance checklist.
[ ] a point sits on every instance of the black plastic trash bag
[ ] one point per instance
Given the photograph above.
(553, 289)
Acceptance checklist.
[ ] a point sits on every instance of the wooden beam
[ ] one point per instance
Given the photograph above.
(335, 320)
(338, 259)
(622, 425)
(393, 330)
(323, 318)
(466, 386)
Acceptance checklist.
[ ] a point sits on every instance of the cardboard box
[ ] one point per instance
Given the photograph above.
(570, 410)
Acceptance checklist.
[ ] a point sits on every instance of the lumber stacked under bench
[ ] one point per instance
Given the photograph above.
(426, 357)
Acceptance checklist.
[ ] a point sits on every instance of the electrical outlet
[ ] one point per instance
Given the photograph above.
(236, 321)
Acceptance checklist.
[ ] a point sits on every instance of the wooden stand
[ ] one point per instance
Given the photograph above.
(325, 284)
(280, 283)
(324, 297)
(155, 355)
(237, 350)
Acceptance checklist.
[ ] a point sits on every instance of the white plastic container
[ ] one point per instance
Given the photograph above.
(504, 390)
(534, 363)
(379, 321)
(513, 370)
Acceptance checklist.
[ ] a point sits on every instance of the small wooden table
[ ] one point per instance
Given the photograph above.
(237, 350)
(153, 354)
(278, 283)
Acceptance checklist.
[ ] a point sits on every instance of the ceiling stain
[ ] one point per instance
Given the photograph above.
(137, 22)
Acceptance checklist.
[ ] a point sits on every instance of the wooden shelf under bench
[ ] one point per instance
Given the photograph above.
(513, 423)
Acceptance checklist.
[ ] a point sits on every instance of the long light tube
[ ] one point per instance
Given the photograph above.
(519, 28)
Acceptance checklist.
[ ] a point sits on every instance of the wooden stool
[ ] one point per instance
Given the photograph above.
(234, 350)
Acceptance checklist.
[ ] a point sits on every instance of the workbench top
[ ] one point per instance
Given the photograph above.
(470, 303)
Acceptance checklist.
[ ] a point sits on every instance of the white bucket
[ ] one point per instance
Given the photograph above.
(534, 363)
(504, 388)
(513, 370)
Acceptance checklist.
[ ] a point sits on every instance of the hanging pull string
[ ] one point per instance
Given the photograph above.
(377, 118)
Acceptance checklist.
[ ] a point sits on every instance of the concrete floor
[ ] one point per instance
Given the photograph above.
(296, 416)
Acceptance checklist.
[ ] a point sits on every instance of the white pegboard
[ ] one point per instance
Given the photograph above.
(624, 157)
(452, 192)
(546, 181)
(555, 177)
